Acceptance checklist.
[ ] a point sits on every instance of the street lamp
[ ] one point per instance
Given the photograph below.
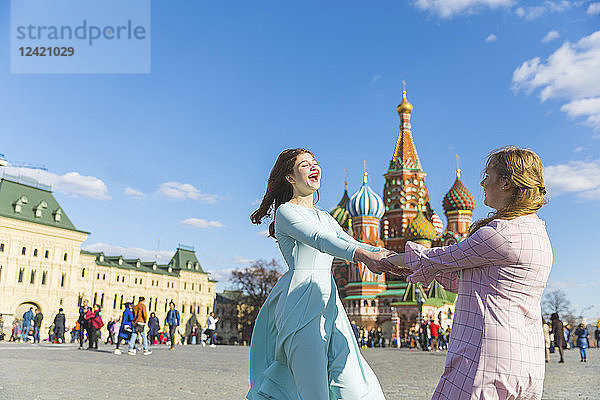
(419, 305)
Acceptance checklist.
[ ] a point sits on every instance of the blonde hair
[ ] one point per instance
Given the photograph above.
(525, 171)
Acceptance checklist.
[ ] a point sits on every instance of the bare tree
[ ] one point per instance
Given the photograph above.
(256, 282)
(555, 301)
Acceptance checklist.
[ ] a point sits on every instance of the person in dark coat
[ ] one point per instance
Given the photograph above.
(582, 341)
(37, 325)
(173, 320)
(559, 336)
(83, 323)
(59, 326)
(355, 331)
(126, 327)
(153, 328)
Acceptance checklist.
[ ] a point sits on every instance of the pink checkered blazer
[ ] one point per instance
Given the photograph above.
(496, 348)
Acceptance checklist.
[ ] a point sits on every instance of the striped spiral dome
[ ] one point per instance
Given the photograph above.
(340, 213)
(458, 197)
(366, 202)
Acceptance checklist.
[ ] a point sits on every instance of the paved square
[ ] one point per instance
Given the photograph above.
(193, 372)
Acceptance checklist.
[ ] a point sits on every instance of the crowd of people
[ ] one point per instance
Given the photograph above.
(559, 336)
(427, 336)
(133, 326)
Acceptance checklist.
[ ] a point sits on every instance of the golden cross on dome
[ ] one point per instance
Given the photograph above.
(457, 166)
(345, 178)
(365, 171)
(404, 86)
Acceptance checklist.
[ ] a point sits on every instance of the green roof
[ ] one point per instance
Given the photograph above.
(436, 302)
(359, 297)
(129, 264)
(393, 292)
(32, 204)
(364, 283)
(185, 259)
(397, 285)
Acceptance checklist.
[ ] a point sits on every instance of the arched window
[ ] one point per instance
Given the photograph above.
(83, 272)
(366, 303)
(372, 303)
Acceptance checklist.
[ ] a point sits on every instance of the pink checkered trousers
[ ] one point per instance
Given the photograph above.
(496, 348)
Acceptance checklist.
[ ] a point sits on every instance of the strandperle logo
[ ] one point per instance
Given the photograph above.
(80, 36)
(83, 31)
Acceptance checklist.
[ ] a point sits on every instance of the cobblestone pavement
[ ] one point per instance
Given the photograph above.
(193, 372)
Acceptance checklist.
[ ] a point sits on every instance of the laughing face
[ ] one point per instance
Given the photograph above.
(306, 176)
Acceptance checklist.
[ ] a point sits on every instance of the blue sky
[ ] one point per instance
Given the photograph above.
(183, 153)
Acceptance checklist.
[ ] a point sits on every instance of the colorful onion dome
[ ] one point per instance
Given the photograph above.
(438, 225)
(420, 228)
(366, 202)
(459, 197)
(340, 212)
(404, 107)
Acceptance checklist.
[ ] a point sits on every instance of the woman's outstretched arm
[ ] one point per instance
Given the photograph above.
(485, 247)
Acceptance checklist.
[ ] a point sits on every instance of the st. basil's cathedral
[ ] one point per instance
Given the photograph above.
(403, 214)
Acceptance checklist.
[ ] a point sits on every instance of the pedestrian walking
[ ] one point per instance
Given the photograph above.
(27, 318)
(546, 329)
(582, 341)
(435, 333)
(83, 322)
(94, 323)
(37, 324)
(59, 326)
(153, 328)
(211, 327)
(355, 331)
(126, 327)
(140, 326)
(597, 335)
(559, 337)
(173, 321)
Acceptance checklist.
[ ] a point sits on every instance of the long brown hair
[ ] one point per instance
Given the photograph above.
(279, 190)
(525, 171)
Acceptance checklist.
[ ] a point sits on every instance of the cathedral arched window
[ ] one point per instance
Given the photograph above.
(372, 303)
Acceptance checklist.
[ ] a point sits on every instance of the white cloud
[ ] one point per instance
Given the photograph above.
(534, 12)
(587, 108)
(161, 256)
(71, 183)
(201, 223)
(450, 8)
(570, 73)
(133, 193)
(182, 191)
(491, 38)
(580, 177)
(593, 9)
(221, 275)
(375, 78)
(550, 36)
(578, 149)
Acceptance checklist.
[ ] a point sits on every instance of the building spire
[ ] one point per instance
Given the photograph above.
(365, 174)
(405, 154)
(458, 171)
(345, 179)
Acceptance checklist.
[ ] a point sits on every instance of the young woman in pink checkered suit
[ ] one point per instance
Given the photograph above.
(496, 348)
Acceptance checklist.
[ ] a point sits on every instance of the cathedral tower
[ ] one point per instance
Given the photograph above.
(404, 184)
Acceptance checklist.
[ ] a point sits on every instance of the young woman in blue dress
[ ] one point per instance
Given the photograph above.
(303, 346)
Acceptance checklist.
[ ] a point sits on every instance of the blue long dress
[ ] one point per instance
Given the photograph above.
(303, 347)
